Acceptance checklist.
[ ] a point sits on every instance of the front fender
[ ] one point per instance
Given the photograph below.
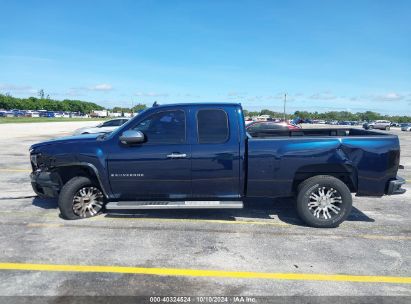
(101, 178)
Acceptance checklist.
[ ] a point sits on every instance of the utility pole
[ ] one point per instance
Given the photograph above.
(285, 101)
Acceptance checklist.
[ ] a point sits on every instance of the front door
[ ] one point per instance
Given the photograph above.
(160, 167)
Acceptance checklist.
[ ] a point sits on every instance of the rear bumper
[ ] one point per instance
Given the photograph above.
(45, 184)
(394, 186)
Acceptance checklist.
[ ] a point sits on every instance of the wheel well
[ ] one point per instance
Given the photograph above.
(345, 173)
(66, 173)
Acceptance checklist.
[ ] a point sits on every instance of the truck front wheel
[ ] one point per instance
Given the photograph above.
(80, 198)
(323, 201)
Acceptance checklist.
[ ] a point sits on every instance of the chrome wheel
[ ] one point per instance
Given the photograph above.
(323, 203)
(88, 201)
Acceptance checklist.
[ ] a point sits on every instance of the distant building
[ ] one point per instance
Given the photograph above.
(114, 114)
(262, 118)
(102, 113)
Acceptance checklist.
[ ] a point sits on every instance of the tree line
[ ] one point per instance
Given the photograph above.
(333, 115)
(137, 108)
(8, 102)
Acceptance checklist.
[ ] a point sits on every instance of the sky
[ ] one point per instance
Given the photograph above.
(325, 55)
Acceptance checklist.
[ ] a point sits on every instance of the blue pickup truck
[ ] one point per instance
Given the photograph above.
(200, 156)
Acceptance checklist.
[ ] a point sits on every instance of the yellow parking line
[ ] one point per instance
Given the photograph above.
(14, 170)
(206, 273)
(384, 237)
(35, 225)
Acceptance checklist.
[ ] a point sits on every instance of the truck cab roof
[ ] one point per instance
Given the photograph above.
(205, 104)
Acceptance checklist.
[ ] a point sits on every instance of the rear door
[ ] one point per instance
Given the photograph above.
(215, 153)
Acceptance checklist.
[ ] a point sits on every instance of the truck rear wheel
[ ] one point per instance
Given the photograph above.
(323, 201)
(80, 198)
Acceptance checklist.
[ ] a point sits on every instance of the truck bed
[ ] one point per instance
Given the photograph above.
(366, 160)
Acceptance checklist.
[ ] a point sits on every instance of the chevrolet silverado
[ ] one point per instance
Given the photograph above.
(200, 156)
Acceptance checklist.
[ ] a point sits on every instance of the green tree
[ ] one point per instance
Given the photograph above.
(8, 102)
(138, 107)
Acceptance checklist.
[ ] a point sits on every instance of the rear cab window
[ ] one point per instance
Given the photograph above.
(212, 126)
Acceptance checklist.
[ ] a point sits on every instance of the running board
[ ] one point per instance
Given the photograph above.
(174, 205)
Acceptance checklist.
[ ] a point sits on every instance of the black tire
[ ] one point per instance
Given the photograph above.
(68, 193)
(370, 127)
(387, 128)
(310, 187)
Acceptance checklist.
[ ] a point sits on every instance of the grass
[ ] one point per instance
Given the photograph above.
(6, 120)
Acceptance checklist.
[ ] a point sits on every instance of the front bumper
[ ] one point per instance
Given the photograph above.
(45, 184)
(394, 186)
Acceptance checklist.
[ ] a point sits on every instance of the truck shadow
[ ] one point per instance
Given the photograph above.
(283, 209)
(45, 203)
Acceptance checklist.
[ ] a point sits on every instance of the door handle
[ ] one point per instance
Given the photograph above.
(177, 155)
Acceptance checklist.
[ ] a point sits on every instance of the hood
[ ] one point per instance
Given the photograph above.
(68, 139)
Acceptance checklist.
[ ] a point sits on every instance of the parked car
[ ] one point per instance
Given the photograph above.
(18, 113)
(331, 122)
(248, 121)
(378, 124)
(48, 114)
(61, 114)
(406, 127)
(199, 156)
(260, 128)
(264, 117)
(298, 120)
(6, 114)
(105, 127)
(30, 113)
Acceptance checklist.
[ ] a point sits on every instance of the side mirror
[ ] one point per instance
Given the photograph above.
(132, 137)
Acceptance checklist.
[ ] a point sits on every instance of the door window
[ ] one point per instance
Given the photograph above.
(112, 123)
(212, 126)
(168, 127)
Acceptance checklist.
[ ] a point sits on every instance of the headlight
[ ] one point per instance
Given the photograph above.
(33, 158)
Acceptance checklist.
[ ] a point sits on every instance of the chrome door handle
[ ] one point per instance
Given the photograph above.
(177, 155)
